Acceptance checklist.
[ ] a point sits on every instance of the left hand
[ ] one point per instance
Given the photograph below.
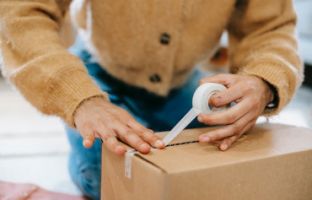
(251, 95)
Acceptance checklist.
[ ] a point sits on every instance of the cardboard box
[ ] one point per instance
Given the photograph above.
(272, 162)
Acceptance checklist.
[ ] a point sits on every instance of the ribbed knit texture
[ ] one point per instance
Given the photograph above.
(125, 38)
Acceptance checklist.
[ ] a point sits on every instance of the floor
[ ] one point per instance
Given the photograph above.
(33, 147)
(304, 29)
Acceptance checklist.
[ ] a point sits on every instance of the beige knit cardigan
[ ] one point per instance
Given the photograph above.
(153, 44)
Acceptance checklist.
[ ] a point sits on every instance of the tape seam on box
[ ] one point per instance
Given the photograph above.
(128, 162)
(182, 143)
(131, 152)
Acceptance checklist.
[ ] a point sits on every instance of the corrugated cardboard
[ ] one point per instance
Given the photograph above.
(272, 162)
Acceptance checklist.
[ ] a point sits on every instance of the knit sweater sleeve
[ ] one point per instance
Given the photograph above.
(262, 43)
(37, 63)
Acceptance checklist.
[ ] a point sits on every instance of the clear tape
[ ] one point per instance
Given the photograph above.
(182, 124)
(200, 105)
(128, 162)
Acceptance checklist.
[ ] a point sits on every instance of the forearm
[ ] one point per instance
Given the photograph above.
(264, 45)
(35, 60)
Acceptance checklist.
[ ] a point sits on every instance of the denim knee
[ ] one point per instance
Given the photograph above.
(87, 176)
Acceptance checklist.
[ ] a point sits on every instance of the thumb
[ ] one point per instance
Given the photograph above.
(225, 79)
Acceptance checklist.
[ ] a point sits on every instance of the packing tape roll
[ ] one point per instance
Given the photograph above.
(200, 105)
(202, 95)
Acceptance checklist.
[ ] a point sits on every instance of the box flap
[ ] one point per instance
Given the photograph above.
(263, 141)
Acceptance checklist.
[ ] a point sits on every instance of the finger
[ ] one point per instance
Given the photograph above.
(147, 135)
(224, 79)
(153, 140)
(227, 143)
(138, 127)
(125, 117)
(228, 116)
(109, 139)
(131, 137)
(216, 143)
(88, 141)
(227, 96)
(88, 136)
(216, 135)
(104, 133)
(227, 131)
(113, 145)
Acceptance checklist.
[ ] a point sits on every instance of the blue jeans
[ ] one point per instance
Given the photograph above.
(152, 111)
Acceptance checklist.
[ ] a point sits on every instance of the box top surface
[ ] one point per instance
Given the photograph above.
(263, 141)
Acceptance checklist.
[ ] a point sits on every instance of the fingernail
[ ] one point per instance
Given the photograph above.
(120, 150)
(87, 143)
(204, 138)
(144, 147)
(223, 147)
(159, 144)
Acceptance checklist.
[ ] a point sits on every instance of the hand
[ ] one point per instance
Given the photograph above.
(251, 95)
(98, 118)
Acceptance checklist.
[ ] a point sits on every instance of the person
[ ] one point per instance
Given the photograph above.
(133, 69)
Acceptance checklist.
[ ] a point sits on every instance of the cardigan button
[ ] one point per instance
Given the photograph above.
(155, 78)
(165, 39)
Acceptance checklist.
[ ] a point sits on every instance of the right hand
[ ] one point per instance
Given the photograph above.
(98, 118)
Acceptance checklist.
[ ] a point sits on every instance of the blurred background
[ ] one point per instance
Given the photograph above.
(34, 149)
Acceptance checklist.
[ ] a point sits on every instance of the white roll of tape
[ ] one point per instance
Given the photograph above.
(200, 105)
(202, 95)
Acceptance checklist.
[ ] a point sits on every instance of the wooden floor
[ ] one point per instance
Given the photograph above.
(33, 148)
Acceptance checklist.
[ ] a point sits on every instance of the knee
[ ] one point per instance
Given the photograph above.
(88, 179)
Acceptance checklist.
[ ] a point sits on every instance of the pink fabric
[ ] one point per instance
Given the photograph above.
(14, 191)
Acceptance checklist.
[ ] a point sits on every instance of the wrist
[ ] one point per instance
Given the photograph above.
(272, 96)
(86, 105)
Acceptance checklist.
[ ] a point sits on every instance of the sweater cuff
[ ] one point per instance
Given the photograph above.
(274, 74)
(70, 89)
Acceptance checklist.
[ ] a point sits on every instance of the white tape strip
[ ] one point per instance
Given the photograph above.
(182, 124)
(200, 105)
(128, 162)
